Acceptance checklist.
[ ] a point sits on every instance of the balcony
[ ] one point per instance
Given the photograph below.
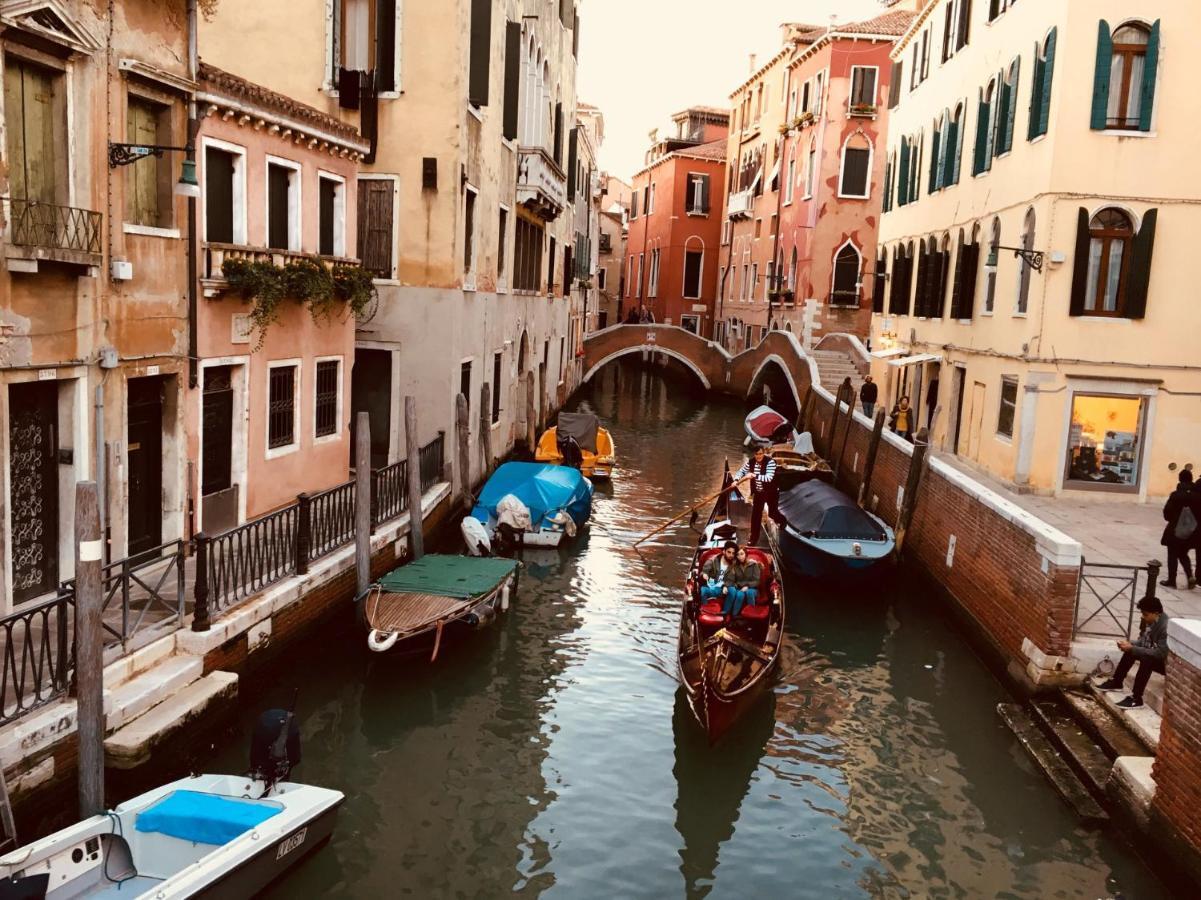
(45, 232)
(541, 184)
(215, 254)
(741, 204)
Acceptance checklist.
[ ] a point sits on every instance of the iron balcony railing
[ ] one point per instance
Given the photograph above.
(47, 226)
(38, 656)
(1106, 597)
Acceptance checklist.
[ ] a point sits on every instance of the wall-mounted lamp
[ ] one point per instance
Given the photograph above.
(128, 154)
(1033, 258)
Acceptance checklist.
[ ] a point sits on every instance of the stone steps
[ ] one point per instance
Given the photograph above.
(1076, 746)
(1111, 733)
(125, 702)
(132, 744)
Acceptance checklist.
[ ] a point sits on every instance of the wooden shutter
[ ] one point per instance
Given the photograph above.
(705, 194)
(894, 293)
(481, 51)
(375, 226)
(1080, 270)
(1002, 121)
(940, 283)
(967, 294)
(1011, 102)
(278, 226)
(575, 36)
(907, 287)
(327, 192)
(1150, 66)
(965, 24)
(957, 280)
(878, 282)
(218, 196)
(385, 45)
(1048, 76)
(141, 179)
(934, 162)
(633, 204)
(558, 137)
(887, 199)
(894, 84)
(30, 102)
(978, 159)
(903, 175)
(1139, 280)
(573, 149)
(1100, 113)
(949, 151)
(960, 129)
(1036, 102)
(512, 78)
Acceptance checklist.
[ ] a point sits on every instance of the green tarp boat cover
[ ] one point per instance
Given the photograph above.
(449, 576)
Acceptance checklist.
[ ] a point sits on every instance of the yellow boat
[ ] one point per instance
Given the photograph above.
(595, 445)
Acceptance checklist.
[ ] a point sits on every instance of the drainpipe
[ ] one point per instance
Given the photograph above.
(100, 473)
(193, 243)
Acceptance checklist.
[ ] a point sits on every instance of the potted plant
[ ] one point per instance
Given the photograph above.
(863, 109)
(804, 119)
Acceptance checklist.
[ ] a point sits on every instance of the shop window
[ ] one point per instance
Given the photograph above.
(1105, 441)
(1009, 402)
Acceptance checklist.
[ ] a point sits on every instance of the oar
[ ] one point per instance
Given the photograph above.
(702, 502)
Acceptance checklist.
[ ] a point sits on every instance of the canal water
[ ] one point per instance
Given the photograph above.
(555, 755)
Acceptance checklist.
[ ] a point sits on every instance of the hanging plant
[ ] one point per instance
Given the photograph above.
(258, 283)
(354, 286)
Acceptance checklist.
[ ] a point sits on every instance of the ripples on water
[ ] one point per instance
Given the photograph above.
(555, 754)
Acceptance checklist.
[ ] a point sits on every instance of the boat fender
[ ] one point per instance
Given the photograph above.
(381, 641)
(564, 521)
(504, 598)
(475, 536)
(482, 617)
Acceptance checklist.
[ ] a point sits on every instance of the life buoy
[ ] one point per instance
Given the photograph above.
(381, 641)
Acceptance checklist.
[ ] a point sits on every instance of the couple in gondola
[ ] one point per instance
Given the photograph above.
(731, 575)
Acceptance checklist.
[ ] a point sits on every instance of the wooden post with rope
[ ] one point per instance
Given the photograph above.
(463, 436)
(413, 448)
(486, 430)
(873, 448)
(89, 648)
(849, 391)
(917, 466)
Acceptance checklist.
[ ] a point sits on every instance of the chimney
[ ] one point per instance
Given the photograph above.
(753, 58)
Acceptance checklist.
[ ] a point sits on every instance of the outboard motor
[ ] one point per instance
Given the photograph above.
(274, 747)
(569, 449)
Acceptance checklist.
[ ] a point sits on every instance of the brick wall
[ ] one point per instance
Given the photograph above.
(1177, 769)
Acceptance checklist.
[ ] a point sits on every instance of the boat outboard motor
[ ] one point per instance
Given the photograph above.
(569, 449)
(274, 747)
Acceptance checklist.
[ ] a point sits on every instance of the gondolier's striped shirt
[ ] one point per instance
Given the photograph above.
(767, 476)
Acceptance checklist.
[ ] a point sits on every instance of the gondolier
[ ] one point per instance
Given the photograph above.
(760, 470)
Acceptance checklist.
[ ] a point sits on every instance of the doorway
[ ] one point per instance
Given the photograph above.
(371, 392)
(218, 491)
(975, 421)
(958, 386)
(33, 487)
(144, 464)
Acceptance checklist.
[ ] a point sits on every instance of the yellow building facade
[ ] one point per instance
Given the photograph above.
(1033, 245)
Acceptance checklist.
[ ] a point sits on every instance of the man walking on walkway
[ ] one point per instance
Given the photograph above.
(1149, 650)
(1182, 513)
(867, 396)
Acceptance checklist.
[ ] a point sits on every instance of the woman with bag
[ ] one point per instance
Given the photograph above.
(1180, 532)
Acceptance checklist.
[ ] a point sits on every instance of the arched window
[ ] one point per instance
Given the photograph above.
(846, 276)
(1127, 69)
(1024, 267)
(811, 168)
(990, 271)
(955, 146)
(1044, 75)
(855, 178)
(879, 280)
(1110, 236)
(991, 98)
(792, 272)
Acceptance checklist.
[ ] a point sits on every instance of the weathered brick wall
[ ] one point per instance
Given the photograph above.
(1177, 769)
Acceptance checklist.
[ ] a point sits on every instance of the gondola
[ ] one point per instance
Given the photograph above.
(829, 536)
(725, 665)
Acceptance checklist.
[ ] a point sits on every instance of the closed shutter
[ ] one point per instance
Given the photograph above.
(923, 272)
(481, 51)
(141, 180)
(894, 84)
(903, 175)
(965, 24)
(1140, 267)
(1001, 124)
(894, 294)
(29, 95)
(385, 45)
(1080, 264)
(705, 194)
(375, 226)
(940, 283)
(958, 129)
(907, 286)
(1048, 76)
(1100, 113)
(512, 78)
(887, 201)
(934, 185)
(915, 169)
(572, 155)
(558, 139)
(878, 282)
(948, 161)
(957, 281)
(633, 204)
(1011, 103)
(1036, 101)
(1150, 67)
(978, 159)
(967, 295)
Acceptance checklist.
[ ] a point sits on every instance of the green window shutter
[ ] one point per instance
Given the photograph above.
(1101, 77)
(915, 170)
(957, 146)
(903, 176)
(978, 159)
(1140, 267)
(1036, 102)
(888, 186)
(1149, 70)
(1080, 264)
(1048, 74)
(934, 185)
(949, 153)
(1011, 101)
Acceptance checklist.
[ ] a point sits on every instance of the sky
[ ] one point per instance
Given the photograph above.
(642, 60)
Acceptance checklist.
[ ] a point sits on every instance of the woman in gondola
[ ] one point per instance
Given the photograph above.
(742, 583)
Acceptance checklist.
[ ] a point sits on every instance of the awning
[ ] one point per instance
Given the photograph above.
(884, 354)
(912, 360)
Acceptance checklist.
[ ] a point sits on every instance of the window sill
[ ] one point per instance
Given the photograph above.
(1001, 438)
(1038, 138)
(986, 312)
(151, 231)
(698, 215)
(277, 452)
(472, 111)
(1120, 320)
(842, 196)
(1021, 315)
(327, 439)
(1132, 133)
(386, 282)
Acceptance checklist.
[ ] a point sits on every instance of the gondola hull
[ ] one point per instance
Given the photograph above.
(717, 713)
(832, 559)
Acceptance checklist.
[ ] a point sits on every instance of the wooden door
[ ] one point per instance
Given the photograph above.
(371, 392)
(975, 421)
(218, 492)
(33, 487)
(144, 464)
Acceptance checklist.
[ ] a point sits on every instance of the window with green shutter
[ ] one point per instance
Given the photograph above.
(1040, 91)
(934, 148)
(980, 157)
(1006, 124)
(903, 174)
(1124, 90)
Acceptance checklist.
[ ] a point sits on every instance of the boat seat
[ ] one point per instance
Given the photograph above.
(762, 557)
(759, 612)
(710, 614)
(204, 818)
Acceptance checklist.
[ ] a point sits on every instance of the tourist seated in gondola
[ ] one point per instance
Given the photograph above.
(742, 583)
(713, 574)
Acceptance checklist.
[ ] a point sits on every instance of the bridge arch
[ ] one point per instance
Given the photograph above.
(773, 371)
(667, 351)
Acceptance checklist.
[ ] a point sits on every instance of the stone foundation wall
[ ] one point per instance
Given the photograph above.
(1176, 809)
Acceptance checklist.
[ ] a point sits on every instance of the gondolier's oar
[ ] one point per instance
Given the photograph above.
(702, 502)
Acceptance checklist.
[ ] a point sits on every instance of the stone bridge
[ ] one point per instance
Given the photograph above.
(778, 361)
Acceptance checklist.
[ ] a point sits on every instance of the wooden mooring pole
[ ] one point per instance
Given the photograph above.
(873, 447)
(846, 431)
(463, 435)
(803, 419)
(531, 414)
(486, 430)
(89, 648)
(362, 502)
(416, 538)
(917, 466)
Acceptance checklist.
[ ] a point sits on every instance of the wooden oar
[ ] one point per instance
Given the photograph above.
(702, 502)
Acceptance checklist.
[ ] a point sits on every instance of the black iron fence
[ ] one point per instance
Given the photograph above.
(389, 492)
(330, 520)
(38, 655)
(431, 459)
(51, 227)
(1106, 597)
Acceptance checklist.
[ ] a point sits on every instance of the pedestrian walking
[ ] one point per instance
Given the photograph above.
(1181, 515)
(901, 419)
(760, 470)
(867, 396)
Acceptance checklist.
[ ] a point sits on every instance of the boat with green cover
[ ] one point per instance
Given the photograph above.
(427, 595)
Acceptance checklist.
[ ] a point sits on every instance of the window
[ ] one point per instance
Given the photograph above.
(1007, 109)
(496, 362)
(790, 176)
(990, 271)
(698, 194)
(924, 54)
(1009, 402)
(646, 200)
(601, 279)
(283, 205)
(377, 198)
(641, 270)
(952, 147)
(879, 280)
(746, 281)
(653, 290)
(469, 230)
(811, 169)
(650, 203)
(792, 272)
(502, 247)
(224, 194)
(985, 121)
(845, 291)
(527, 256)
(963, 32)
(996, 7)
(331, 216)
(1040, 93)
(1105, 441)
(1124, 90)
(480, 57)
(948, 31)
(465, 385)
(753, 284)
(690, 323)
(35, 112)
(281, 405)
(896, 76)
(693, 268)
(630, 279)
(550, 267)
(1110, 239)
(856, 167)
(1024, 269)
(149, 183)
(327, 398)
(633, 204)
(863, 88)
(363, 37)
(758, 228)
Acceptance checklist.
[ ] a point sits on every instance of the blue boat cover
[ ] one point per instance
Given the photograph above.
(544, 488)
(204, 818)
(819, 510)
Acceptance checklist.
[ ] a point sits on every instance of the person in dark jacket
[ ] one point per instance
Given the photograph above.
(867, 396)
(1180, 533)
(714, 572)
(742, 583)
(1149, 650)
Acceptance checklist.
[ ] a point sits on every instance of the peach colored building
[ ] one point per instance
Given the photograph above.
(806, 179)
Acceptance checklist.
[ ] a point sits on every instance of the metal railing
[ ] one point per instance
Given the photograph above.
(430, 458)
(51, 227)
(389, 492)
(330, 519)
(1106, 596)
(38, 656)
(214, 255)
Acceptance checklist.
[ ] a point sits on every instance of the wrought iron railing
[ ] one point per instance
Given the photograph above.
(331, 519)
(245, 560)
(38, 656)
(389, 492)
(51, 227)
(431, 462)
(1106, 596)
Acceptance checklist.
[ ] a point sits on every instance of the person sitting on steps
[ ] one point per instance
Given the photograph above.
(713, 573)
(742, 583)
(1149, 650)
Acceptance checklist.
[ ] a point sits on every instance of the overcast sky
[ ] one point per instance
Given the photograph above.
(642, 60)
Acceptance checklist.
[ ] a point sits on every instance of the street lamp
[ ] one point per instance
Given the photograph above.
(1033, 258)
(128, 154)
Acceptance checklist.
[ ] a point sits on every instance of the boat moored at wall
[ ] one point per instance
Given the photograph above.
(534, 504)
(828, 536)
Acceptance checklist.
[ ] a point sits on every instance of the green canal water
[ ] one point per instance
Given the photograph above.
(554, 754)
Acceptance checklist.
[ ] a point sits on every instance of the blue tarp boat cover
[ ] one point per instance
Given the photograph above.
(545, 489)
(818, 510)
(204, 818)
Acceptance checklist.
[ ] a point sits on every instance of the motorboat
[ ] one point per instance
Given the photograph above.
(434, 593)
(726, 663)
(222, 836)
(578, 439)
(828, 535)
(527, 504)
